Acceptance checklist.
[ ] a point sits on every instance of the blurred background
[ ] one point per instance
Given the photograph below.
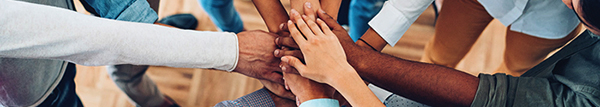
(205, 88)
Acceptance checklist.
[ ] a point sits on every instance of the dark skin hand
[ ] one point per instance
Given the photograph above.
(256, 57)
(426, 83)
(280, 101)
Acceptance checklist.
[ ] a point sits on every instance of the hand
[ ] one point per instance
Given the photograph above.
(305, 89)
(355, 53)
(322, 51)
(256, 57)
(278, 89)
(280, 101)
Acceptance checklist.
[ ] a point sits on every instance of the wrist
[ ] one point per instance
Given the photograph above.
(346, 75)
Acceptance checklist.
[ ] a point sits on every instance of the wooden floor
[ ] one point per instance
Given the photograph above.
(201, 87)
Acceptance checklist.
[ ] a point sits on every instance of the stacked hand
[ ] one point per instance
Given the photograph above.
(325, 62)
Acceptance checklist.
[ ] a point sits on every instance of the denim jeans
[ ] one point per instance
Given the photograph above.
(361, 12)
(223, 14)
(64, 94)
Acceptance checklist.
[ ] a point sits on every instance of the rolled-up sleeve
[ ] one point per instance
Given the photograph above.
(504, 90)
(395, 18)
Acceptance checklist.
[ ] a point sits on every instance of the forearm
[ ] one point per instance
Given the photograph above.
(299, 5)
(272, 13)
(52, 33)
(332, 7)
(371, 40)
(426, 83)
(358, 94)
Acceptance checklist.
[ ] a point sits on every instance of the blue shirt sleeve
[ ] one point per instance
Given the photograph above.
(124, 10)
(321, 102)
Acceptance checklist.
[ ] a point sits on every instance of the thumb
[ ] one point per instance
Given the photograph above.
(295, 62)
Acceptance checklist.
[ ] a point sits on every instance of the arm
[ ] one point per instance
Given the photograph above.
(330, 6)
(106, 42)
(272, 13)
(371, 40)
(427, 83)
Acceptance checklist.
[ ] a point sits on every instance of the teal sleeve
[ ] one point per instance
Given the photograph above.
(321, 102)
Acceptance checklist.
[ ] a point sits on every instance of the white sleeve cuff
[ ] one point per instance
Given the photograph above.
(237, 54)
(395, 18)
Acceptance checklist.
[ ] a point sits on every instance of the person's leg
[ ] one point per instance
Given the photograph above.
(223, 14)
(131, 79)
(524, 51)
(361, 12)
(64, 94)
(458, 26)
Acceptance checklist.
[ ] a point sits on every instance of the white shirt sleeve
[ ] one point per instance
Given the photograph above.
(43, 32)
(396, 16)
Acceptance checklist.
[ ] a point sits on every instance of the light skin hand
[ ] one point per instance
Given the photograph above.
(321, 49)
(304, 88)
(256, 57)
(325, 60)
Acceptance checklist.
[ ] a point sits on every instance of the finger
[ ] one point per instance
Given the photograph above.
(288, 69)
(301, 25)
(294, 62)
(332, 23)
(295, 53)
(324, 27)
(274, 77)
(287, 42)
(277, 89)
(287, 87)
(308, 11)
(313, 26)
(283, 27)
(296, 35)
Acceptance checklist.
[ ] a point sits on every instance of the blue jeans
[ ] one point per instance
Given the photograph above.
(361, 12)
(223, 14)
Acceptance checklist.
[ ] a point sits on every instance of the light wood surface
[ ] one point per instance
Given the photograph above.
(203, 88)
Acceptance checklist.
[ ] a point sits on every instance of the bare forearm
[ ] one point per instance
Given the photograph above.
(272, 13)
(357, 94)
(331, 6)
(426, 83)
(371, 40)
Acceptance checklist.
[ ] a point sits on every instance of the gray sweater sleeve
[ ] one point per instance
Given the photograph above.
(502, 90)
(43, 32)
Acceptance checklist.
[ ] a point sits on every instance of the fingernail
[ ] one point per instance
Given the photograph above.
(281, 26)
(294, 12)
(287, 87)
(284, 59)
(283, 68)
(290, 22)
(321, 10)
(276, 43)
(308, 5)
(276, 53)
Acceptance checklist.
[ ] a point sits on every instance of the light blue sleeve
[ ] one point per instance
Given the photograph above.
(321, 102)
